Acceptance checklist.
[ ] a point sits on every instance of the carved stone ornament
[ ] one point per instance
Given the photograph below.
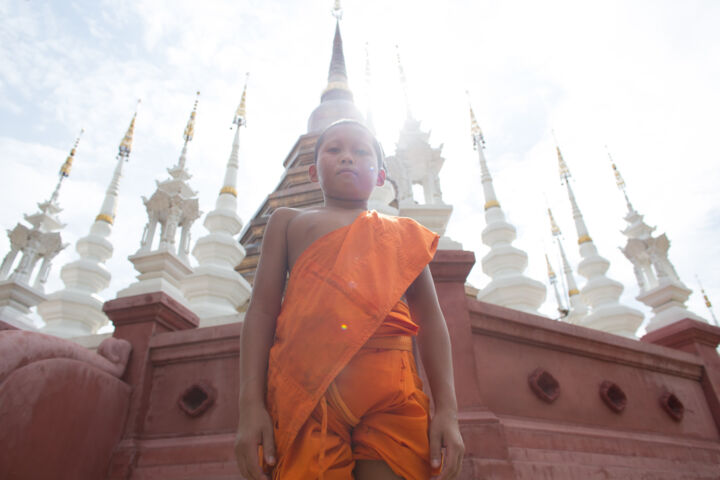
(197, 398)
(544, 385)
(613, 396)
(672, 406)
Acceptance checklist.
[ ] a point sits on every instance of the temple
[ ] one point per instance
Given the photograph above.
(577, 396)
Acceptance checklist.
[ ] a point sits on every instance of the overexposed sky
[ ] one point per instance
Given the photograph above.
(638, 76)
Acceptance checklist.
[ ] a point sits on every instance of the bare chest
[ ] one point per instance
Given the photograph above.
(306, 229)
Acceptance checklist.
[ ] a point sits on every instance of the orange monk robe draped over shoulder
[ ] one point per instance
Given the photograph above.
(340, 290)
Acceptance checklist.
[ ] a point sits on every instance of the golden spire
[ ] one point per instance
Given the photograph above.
(619, 181)
(126, 143)
(190, 128)
(707, 301)
(239, 119)
(553, 226)
(65, 169)
(551, 273)
(562, 166)
(475, 131)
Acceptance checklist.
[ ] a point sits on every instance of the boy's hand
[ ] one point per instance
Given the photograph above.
(445, 433)
(254, 429)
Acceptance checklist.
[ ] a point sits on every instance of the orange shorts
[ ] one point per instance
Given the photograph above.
(375, 409)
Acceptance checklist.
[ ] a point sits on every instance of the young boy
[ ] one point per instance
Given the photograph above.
(329, 384)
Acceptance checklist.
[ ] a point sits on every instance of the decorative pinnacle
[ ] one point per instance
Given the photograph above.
(553, 226)
(239, 119)
(190, 127)
(619, 181)
(475, 131)
(126, 143)
(562, 166)
(337, 74)
(707, 301)
(551, 273)
(564, 170)
(65, 169)
(337, 10)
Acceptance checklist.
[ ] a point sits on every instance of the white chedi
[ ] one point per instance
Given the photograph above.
(38, 244)
(417, 163)
(76, 310)
(505, 264)
(173, 206)
(214, 289)
(660, 286)
(601, 293)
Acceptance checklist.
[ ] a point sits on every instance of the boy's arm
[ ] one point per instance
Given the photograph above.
(255, 425)
(435, 350)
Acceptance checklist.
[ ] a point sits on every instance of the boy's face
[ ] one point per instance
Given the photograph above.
(347, 167)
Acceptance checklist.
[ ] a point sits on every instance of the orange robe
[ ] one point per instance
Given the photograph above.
(340, 290)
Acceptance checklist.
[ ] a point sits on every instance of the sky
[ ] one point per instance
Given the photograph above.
(635, 78)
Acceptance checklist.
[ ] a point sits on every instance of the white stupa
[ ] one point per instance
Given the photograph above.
(173, 206)
(214, 289)
(601, 293)
(504, 263)
(416, 162)
(76, 310)
(40, 243)
(660, 287)
(577, 308)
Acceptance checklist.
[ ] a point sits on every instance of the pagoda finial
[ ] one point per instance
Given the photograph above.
(550, 271)
(337, 10)
(126, 143)
(188, 135)
(190, 127)
(552, 278)
(65, 169)
(619, 181)
(553, 225)
(239, 119)
(707, 302)
(403, 82)
(337, 74)
(64, 173)
(562, 166)
(475, 131)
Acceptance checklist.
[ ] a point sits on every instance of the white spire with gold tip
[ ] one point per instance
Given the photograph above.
(504, 263)
(173, 206)
(601, 293)
(552, 278)
(660, 287)
(577, 308)
(76, 310)
(707, 303)
(39, 243)
(214, 289)
(179, 170)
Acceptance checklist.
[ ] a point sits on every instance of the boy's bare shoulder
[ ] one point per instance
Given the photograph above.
(283, 216)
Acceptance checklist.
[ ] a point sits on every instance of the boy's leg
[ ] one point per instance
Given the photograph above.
(374, 470)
